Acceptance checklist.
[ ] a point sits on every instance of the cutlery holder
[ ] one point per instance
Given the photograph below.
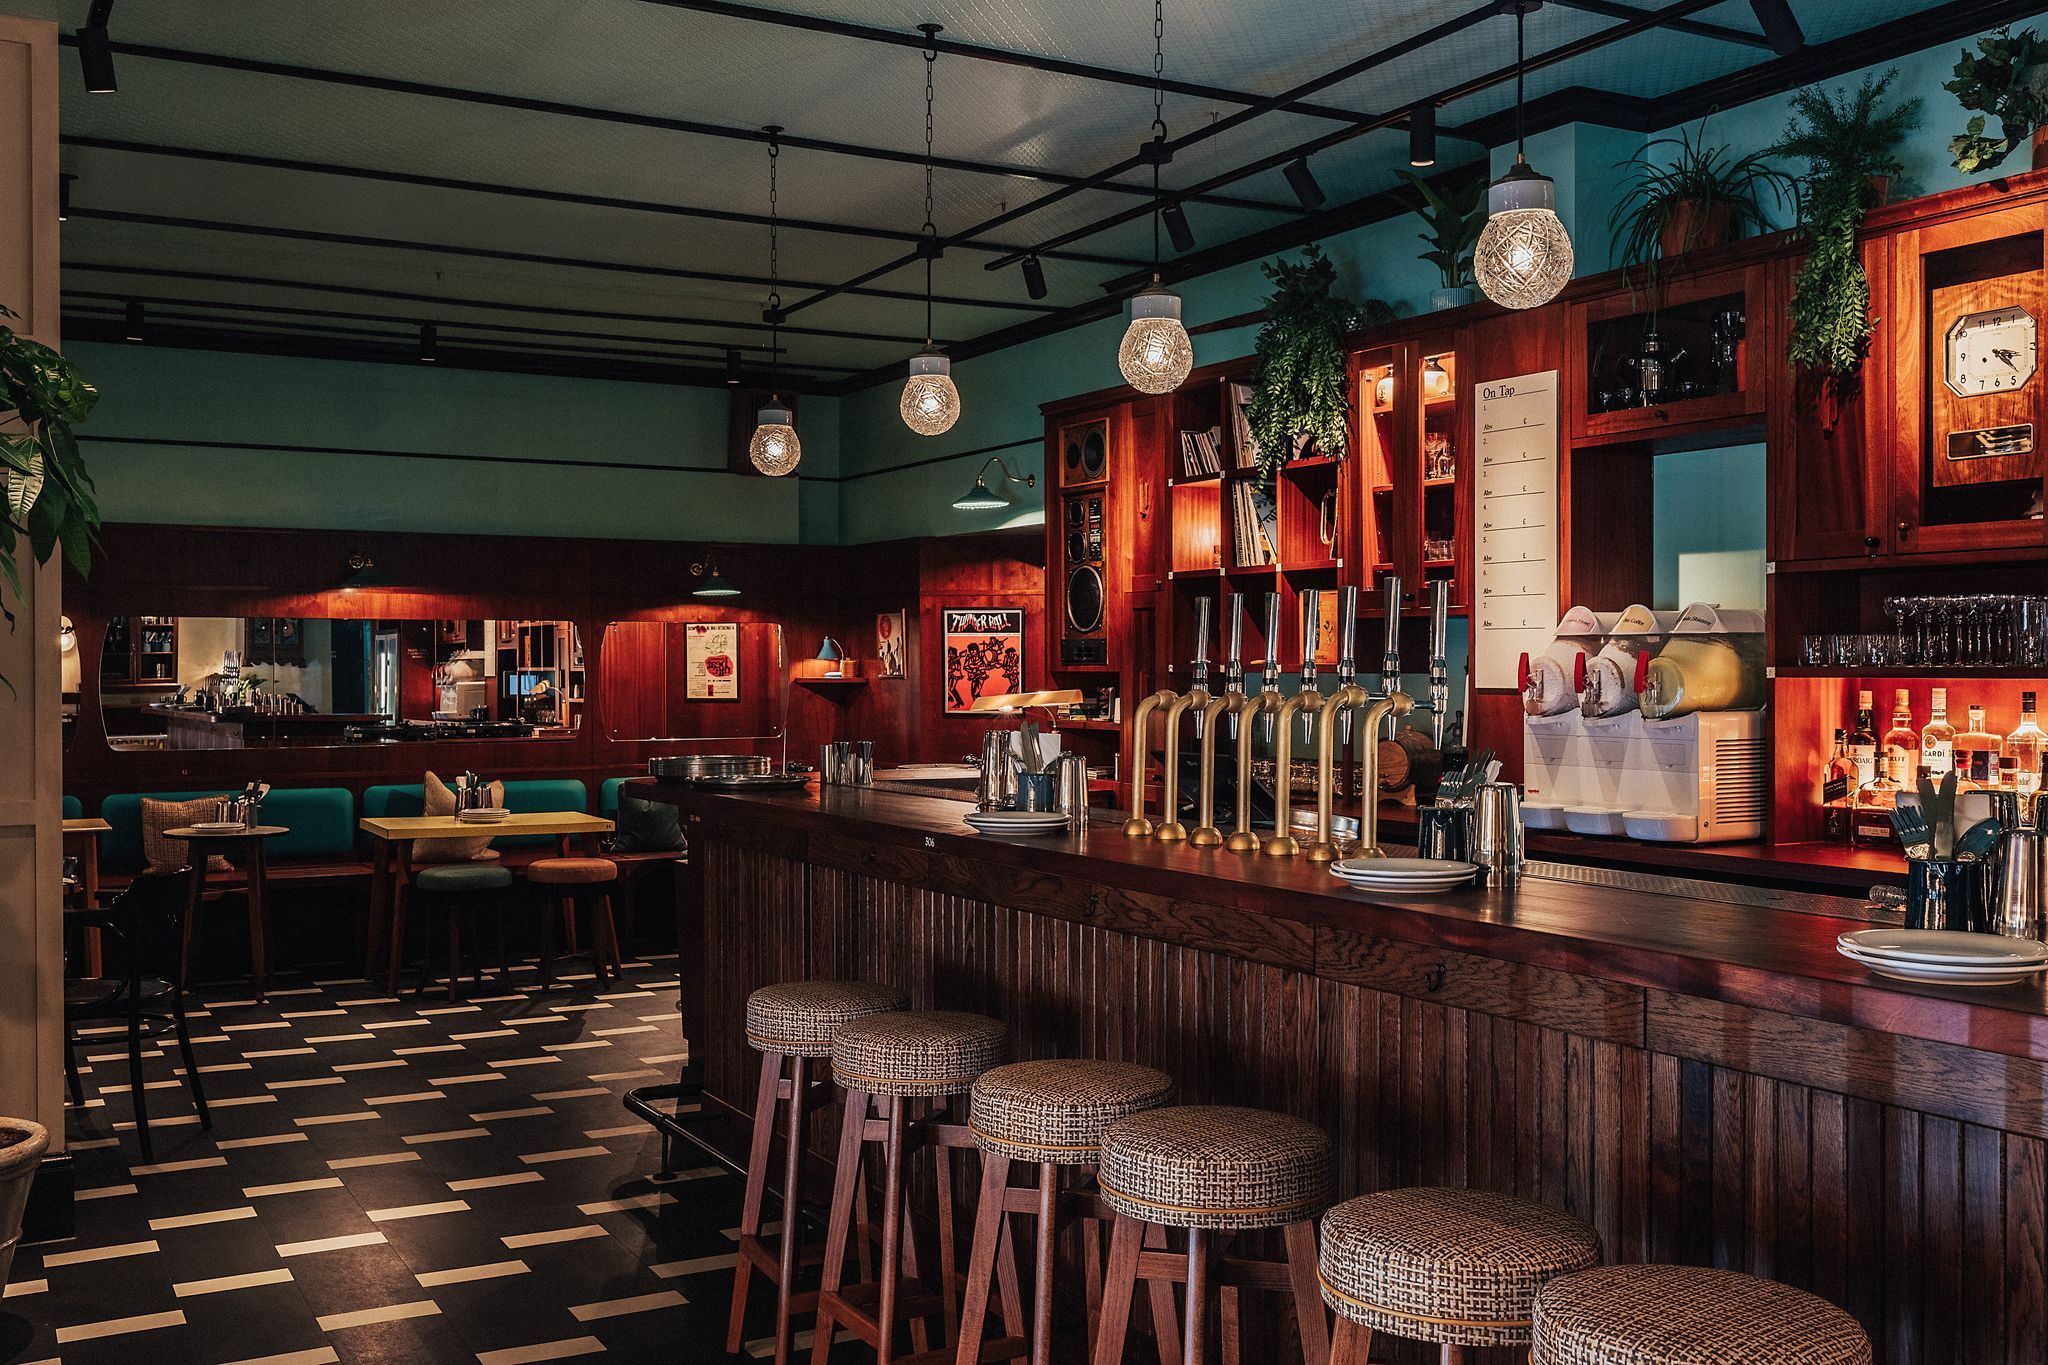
(1948, 893)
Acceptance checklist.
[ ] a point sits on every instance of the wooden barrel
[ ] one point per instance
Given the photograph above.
(1410, 760)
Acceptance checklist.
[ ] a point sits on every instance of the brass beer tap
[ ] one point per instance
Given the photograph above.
(1306, 703)
(1390, 654)
(1439, 660)
(1138, 826)
(1389, 709)
(1339, 704)
(1170, 829)
(1232, 701)
(1266, 705)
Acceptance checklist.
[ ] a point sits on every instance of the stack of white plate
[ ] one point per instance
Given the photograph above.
(1944, 957)
(1017, 822)
(219, 826)
(1404, 874)
(483, 815)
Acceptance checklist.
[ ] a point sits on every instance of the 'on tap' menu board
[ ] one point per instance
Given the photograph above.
(1515, 525)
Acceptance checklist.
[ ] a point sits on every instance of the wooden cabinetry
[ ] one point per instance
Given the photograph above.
(140, 652)
(1414, 505)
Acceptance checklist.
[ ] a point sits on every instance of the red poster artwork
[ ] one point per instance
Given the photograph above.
(984, 654)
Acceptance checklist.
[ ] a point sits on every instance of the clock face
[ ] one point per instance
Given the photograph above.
(1991, 352)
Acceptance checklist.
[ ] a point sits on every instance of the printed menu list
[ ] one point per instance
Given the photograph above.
(1516, 438)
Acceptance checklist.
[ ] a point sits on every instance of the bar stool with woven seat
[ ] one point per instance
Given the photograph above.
(1212, 1169)
(1689, 1315)
(457, 891)
(1456, 1268)
(565, 885)
(791, 1025)
(1049, 1114)
(884, 1063)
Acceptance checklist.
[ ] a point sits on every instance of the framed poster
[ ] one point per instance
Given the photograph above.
(889, 645)
(984, 654)
(711, 661)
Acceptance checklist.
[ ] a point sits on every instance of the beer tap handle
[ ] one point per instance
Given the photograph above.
(1272, 675)
(1347, 656)
(1439, 658)
(1311, 631)
(1233, 665)
(1390, 652)
(1199, 677)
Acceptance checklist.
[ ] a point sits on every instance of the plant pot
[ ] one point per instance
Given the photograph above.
(1694, 226)
(2041, 148)
(22, 1144)
(1440, 299)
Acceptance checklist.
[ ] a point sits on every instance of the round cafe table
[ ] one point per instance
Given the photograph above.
(249, 841)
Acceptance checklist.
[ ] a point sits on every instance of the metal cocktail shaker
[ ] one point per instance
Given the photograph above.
(1070, 789)
(996, 788)
(1497, 832)
(2017, 899)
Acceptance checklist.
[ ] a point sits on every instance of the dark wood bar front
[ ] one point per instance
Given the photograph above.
(1703, 1082)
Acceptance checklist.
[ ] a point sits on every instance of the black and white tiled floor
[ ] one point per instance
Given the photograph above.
(389, 1181)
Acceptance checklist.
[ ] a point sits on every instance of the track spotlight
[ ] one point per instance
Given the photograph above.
(430, 344)
(1303, 182)
(64, 197)
(732, 367)
(1422, 135)
(1177, 230)
(133, 318)
(1780, 26)
(1034, 277)
(96, 49)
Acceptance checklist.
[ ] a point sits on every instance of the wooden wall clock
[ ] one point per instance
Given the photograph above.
(1984, 381)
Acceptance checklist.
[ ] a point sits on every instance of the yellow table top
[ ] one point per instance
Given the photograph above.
(413, 827)
(87, 824)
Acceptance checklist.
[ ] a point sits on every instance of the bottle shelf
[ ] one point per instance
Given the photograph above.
(2014, 673)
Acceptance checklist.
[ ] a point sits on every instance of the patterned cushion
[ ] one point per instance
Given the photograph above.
(1460, 1267)
(168, 855)
(1056, 1110)
(439, 799)
(571, 871)
(461, 877)
(1210, 1166)
(916, 1052)
(1689, 1315)
(799, 1018)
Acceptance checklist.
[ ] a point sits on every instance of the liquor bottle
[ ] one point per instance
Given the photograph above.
(1837, 786)
(1938, 740)
(1863, 740)
(1901, 744)
(2024, 746)
(1977, 751)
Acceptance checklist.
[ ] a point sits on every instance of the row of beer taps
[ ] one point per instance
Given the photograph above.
(1324, 720)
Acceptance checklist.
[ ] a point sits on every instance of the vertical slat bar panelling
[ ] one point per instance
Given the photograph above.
(1868, 1216)
(1760, 1135)
(1901, 1338)
(1941, 1236)
(1828, 1219)
(2026, 1250)
(1983, 1260)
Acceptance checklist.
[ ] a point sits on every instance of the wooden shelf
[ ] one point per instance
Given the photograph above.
(832, 684)
(1314, 566)
(1936, 674)
(1451, 482)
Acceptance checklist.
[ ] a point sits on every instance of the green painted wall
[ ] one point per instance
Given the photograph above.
(238, 440)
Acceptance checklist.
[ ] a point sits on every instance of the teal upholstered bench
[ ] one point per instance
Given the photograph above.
(322, 821)
(527, 796)
(74, 809)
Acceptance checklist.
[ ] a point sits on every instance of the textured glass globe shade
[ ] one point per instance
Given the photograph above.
(1524, 256)
(774, 449)
(930, 402)
(1156, 355)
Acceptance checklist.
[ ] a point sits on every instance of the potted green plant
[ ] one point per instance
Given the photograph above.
(1680, 195)
(49, 494)
(22, 1144)
(1851, 150)
(2005, 78)
(1300, 400)
(1455, 216)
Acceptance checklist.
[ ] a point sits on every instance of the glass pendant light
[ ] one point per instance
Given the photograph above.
(1156, 355)
(775, 449)
(1524, 254)
(930, 403)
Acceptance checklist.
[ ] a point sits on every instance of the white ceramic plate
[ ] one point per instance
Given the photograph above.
(1418, 883)
(1014, 817)
(1403, 866)
(219, 826)
(1951, 976)
(483, 817)
(1945, 946)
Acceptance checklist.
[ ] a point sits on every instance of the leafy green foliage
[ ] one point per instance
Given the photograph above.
(1693, 185)
(2005, 78)
(1455, 216)
(1845, 140)
(49, 495)
(1301, 389)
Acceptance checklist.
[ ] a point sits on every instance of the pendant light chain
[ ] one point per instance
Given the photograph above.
(1521, 69)
(1156, 354)
(930, 404)
(775, 449)
(774, 265)
(1158, 114)
(931, 230)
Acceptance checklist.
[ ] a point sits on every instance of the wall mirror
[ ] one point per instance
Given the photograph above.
(681, 681)
(219, 682)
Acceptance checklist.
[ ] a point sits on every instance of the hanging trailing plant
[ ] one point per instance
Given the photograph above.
(1850, 147)
(2006, 78)
(49, 494)
(1300, 401)
(1681, 194)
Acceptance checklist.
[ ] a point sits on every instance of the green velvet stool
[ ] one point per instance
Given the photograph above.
(459, 891)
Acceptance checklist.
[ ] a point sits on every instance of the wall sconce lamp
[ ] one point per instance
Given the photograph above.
(831, 653)
(714, 584)
(982, 498)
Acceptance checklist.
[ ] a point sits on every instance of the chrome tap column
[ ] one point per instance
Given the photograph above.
(1390, 652)
(1439, 660)
(1267, 706)
(1205, 834)
(1347, 656)
(1307, 703)
(1170, 829)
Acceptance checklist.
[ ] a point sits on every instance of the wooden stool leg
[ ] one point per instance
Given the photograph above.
(949, 1259)
(1165, 1316)
(981, 1262)
(454, 912)
(750, 1201)
(843, 1178)
(1197, 1329)
(1091, 1268)
(792, 1218)
(1229, 1325)
(567, 907)
(1042, 1262)
(547, 939)
(892, 1234)
(1119, 1288)
(1310, 1317)
(1353, 1344)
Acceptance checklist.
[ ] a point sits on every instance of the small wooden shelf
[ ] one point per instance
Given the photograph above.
(833, 684)
(1315, 566)
(1311, 464)
(1185, 479)
(1451, 482)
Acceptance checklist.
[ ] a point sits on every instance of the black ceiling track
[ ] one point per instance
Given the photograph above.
(1613, 9)
(440, 182)
(563, 109)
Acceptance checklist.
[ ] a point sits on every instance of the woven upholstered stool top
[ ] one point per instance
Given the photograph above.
(798, 1018)
(1209, 1166)
(1689, 1315)
(917, 1052)
(462, 877)
(572, 871)
(1055, 1110)
(1459, 1267)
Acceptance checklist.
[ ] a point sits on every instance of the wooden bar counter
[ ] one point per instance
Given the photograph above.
(1702, 1081)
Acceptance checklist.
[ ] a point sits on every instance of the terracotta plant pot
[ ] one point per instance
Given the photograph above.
(22, 1144)
(1694, 227)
